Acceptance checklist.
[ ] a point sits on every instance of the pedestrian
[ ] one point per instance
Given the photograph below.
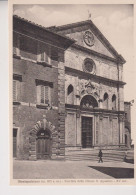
(100, 156)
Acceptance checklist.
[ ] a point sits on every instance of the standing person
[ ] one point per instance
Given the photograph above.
(100, 156)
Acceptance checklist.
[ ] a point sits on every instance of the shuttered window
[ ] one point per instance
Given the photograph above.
(16, 44)
(43, 53)
(44, 57)
(17, 79)
(43, 94)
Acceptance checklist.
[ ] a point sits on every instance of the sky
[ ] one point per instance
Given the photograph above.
(116, 22)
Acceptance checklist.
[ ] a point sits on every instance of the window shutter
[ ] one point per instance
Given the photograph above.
(18, 90)
(46, 57)
(42, 56)
(38, 52)
(18, 46)
(42, 94)
(38, 94)
(14, 90)
(46, 94)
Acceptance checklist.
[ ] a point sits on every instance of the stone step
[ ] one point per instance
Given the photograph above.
(94, 159)
(96, 155)
(108, 155)
(93, 155)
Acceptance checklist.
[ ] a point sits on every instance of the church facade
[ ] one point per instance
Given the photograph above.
(67, 90)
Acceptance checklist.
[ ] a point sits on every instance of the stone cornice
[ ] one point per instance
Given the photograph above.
(89, 51)
(100, 110)
(89, 76)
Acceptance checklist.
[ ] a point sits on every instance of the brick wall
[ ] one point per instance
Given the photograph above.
(26, 114)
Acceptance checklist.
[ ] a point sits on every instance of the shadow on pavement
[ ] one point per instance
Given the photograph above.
(129, 161)
(115, 172)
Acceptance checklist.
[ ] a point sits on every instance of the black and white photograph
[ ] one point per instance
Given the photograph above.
(72, 93)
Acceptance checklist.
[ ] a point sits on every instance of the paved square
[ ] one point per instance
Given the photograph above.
(46, 169)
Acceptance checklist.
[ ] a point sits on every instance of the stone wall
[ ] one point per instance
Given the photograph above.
(61, 107)
(75, 58)
(105, 129)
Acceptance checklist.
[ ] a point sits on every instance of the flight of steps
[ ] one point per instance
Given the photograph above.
(92, 155)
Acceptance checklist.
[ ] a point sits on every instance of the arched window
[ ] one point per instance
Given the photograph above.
(70, 94)
(105, 101)
(114, 102)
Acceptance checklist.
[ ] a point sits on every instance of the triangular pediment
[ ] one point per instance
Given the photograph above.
(88, 39)
(87, 35)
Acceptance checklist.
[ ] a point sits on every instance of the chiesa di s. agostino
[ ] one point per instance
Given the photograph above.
(67, 91)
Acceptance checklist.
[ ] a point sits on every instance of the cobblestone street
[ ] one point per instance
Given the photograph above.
(45, 169)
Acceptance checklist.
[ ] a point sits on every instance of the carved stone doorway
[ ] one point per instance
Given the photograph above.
(40, 140)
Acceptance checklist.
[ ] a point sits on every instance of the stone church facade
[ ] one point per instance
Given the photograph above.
(67, 90)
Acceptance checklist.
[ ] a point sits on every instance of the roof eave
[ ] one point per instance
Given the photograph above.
(66, 41)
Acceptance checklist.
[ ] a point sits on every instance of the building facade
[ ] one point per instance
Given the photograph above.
(67, 90)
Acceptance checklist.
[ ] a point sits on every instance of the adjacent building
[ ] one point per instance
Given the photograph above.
(127, 109)
(67, 90)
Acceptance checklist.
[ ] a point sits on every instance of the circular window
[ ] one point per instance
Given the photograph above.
(89, 65)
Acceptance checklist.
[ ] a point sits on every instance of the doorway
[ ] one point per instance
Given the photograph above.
(87, 135)
(43, 144)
